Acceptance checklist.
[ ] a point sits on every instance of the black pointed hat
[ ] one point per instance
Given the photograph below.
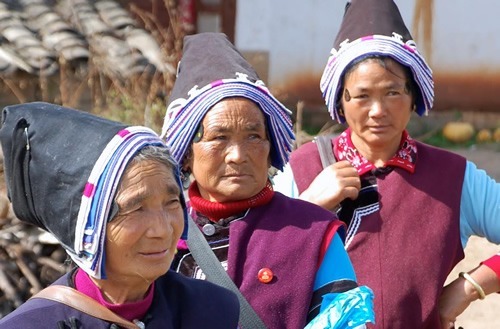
(374, 27)
(62, 168)
(211, 69)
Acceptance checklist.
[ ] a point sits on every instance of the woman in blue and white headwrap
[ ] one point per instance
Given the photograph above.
(410, 207)
(111, 195)
(286, 256)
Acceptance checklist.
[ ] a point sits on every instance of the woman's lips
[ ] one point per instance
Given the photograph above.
(378, 128)
(153, 254)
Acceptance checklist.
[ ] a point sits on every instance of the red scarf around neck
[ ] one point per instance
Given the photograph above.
(219, 210)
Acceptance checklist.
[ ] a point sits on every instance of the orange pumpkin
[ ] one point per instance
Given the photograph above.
(458, 132)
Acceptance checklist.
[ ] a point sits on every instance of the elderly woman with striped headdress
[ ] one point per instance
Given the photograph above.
(226, 129)
(110, 193)
(410, 207)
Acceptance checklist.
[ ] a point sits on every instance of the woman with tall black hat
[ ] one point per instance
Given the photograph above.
(285, 256)
(410, 207)
(111, 195)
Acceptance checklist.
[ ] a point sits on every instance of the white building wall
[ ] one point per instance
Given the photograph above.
(298, 34)
(467, 35)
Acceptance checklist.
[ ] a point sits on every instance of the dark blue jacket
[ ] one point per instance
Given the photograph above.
(178, 302)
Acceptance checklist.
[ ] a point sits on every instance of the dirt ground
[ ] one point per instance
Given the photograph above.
(481, 314)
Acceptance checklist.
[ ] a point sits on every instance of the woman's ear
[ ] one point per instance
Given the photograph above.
(186, 165)
(341, 111)
(186, 169)
(187, 160)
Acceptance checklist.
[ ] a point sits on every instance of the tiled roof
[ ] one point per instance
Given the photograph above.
(36, 36)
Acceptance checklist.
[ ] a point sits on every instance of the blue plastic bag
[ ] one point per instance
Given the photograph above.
(348, 310)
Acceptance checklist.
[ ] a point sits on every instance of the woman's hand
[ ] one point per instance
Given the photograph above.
(458, 295)
(334, 184)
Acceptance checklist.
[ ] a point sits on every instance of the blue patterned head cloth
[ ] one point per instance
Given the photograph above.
(374, 27)
(210, 70)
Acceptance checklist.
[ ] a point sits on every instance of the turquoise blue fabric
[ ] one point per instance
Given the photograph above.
(350, 309)
(479, 206)
(336, 265)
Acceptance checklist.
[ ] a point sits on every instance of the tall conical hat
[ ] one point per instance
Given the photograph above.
(211, 69)
(62, 168)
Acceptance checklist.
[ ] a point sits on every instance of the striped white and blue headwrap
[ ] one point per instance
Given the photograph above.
(405, 53)
(184, 116)
(99, 193)
(374, 28)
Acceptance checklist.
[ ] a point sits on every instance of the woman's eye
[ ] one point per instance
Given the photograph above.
(129, 209)
(172, 203)
(219, 138)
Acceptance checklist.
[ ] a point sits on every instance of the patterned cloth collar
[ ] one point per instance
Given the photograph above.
(405, 157)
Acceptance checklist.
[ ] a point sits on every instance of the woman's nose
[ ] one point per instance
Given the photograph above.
(235, 153)
(159, 224)
(377, 108)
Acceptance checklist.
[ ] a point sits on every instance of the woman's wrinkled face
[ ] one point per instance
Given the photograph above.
(141, 239)
(231, 160)
(377, 103)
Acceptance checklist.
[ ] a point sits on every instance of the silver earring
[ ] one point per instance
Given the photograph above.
(185, 180)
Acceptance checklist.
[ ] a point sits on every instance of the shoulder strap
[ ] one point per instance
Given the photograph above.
(325, 149)
(83, 303)
(212, 268)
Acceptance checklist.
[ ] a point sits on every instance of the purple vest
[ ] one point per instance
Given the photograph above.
(285, 236)
(409, 241)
